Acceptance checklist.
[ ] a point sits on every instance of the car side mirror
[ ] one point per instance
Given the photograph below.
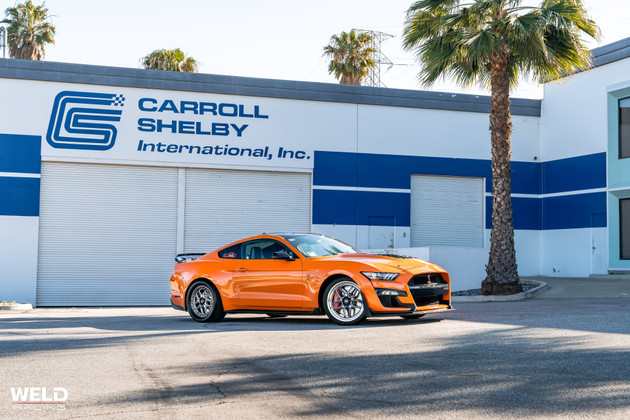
(282, 255)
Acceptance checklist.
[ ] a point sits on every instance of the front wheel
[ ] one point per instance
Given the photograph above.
(344, 302)
(204, 303)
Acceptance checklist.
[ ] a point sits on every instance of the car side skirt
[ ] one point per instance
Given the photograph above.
(315, 311)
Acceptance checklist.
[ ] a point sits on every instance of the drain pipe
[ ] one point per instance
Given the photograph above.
(3, 40)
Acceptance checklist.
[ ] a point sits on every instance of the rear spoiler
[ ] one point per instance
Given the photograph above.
(180, 258)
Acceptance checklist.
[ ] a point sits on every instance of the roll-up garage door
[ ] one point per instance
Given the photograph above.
(107, 235)
(446, 210)
(223, 206)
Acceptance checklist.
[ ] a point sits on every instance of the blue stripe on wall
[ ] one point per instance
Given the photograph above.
(574, 174)
(334, 207)
(20, 196)
(335, 169)
(385, 209)
(526, 213)
(20, 153)
(361, 208)
(394, 171)
(574, 211)
(390, 171)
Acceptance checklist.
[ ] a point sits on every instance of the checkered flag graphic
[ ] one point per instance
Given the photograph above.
(119, 100)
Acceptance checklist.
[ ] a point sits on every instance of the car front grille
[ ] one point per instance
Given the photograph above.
(427, 278)
(428, 289)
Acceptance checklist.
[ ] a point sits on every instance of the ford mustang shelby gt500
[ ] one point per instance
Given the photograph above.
(284, 274)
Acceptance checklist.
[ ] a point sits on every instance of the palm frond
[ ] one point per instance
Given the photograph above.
(458, 39)
(352, 56)
(29, 30)
(170, 60)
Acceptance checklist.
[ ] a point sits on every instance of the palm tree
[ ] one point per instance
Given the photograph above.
(29, 30)
(170, 60)
(493, 43)
(351, 56)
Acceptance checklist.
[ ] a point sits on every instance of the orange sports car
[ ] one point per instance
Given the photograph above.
(300, 274)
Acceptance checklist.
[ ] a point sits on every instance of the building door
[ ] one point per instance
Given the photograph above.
(223, 206)
(446, 210)
(107, 235)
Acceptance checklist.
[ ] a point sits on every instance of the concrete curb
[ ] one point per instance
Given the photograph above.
(541, 287)
(16, 307)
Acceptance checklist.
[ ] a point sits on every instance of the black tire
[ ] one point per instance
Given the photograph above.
(347, 294)
(198, 307)
(413, 316)
(271, 315)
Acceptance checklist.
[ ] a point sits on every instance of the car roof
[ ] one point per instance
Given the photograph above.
(281, 235)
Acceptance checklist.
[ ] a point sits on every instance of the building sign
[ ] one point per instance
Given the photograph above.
(123, 125)
(164, 127)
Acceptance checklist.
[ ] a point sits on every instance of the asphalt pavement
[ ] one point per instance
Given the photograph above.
(538, 358)
(596, 286)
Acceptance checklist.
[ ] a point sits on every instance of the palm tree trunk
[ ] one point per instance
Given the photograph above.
(501, 271)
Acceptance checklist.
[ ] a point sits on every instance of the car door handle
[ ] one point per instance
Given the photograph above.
(241, 270)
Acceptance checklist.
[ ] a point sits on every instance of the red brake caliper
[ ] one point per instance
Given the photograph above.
(337, 300)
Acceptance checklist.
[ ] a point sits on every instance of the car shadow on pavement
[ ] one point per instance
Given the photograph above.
(501, 373)
(23, 334)
(181, 322)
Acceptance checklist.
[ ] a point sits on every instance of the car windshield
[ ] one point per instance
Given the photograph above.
(319, 246)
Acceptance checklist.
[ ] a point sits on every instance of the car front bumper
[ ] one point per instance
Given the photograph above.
(406, 296)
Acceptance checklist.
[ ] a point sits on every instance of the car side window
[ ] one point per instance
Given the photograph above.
(233, 252)
(263, 249)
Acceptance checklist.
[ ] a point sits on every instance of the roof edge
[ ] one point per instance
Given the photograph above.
(612, 52)
(250, 86)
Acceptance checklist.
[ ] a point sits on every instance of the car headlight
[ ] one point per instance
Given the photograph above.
(379, 276)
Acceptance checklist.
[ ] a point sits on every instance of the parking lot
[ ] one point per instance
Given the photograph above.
(540, 358)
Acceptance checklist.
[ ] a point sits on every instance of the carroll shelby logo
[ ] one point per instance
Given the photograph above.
(84, 120)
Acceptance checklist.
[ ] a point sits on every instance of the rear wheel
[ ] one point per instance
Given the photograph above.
(344, 302)
(204, 303)
(412, 316)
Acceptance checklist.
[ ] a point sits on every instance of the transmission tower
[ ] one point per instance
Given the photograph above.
(374, 76)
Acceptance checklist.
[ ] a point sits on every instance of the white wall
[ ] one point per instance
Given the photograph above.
(574, 122)
(439, 133)
(18, 258)
(574, 112)
(574, 252)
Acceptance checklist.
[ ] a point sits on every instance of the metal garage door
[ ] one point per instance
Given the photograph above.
(446, 210)
(107, 235)
(223, 206)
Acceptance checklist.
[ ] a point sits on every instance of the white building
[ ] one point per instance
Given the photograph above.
(107, 173)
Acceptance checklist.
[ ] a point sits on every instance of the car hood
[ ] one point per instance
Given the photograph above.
(385, 263)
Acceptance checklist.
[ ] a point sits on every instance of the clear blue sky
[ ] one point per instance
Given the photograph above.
(278, 39)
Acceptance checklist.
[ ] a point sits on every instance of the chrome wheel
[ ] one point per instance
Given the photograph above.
(202, 301)
(344, 302)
